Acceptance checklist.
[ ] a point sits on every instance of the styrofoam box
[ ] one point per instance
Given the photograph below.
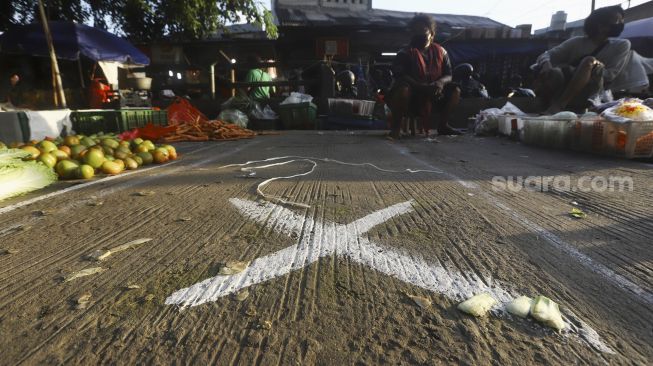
(348, 107)
(588, 135)
(506, 121)
(554, 133)
(630, 139)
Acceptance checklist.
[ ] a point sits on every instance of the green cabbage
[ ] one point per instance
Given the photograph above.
(19, 177)
(478, 305)
(12, 154)
(547, 312)
(520, 306)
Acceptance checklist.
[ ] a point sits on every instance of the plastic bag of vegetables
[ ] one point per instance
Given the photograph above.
(547, 312)
(478, 305)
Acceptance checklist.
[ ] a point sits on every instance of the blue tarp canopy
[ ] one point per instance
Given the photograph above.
(70, 41)
(640, 35)
(473, 50)
(642, 28)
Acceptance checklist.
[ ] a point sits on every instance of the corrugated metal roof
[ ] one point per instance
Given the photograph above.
(289, 16)
(245, 30)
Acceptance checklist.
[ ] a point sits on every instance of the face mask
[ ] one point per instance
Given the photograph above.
(616, 29)
(420, 40)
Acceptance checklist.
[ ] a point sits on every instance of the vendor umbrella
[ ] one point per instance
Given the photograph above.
(70, 41)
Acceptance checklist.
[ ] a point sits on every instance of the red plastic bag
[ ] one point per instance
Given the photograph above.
(148, 132)
(181, 111)
(153, 132)
(129, 135)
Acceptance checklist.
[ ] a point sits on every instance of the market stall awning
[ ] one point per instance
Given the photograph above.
(70, 41)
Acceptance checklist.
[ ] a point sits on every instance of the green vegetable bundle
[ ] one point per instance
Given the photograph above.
(19, 177)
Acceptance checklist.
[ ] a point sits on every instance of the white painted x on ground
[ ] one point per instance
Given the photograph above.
(318, 238)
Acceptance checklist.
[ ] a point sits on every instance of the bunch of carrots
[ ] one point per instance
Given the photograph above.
(192, 125)
(207, 130)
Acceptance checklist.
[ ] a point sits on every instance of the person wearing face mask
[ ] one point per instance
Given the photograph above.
(581, 67)
(422, 81)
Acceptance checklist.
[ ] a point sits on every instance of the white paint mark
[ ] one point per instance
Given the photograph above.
(331, 238)
(586, 332)
(318, 239)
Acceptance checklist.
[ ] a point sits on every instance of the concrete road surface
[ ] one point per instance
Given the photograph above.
(359, 253)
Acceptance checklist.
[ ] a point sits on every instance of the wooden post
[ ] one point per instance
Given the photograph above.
(212, 73)
(59, 94)
(54, 89)
(233, 71)
(233, 80)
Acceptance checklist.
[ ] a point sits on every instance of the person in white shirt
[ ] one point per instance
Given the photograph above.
(580, 67)
(633, 79)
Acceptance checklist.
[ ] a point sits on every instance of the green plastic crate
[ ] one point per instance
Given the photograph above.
(88, 122)
(134, 118)
(300, 116)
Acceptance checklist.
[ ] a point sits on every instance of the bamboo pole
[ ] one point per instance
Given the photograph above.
(59, 93)
(232, 71)
(55, 96)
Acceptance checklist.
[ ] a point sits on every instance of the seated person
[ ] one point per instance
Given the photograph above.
(13, 91)
(422, 80)
(580, 67)
(463, 76)
(634, 78)
(346, 85)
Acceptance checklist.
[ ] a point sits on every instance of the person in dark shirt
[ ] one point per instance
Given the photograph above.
(422, 81)
(13, 91)
(346, 84)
